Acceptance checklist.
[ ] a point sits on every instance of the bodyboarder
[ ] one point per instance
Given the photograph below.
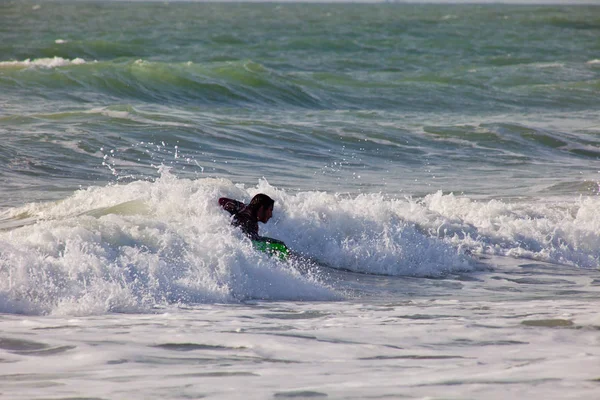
(247, 217)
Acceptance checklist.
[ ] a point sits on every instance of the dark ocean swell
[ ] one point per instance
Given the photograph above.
(250, 84)
(486, 100)
(241, 83)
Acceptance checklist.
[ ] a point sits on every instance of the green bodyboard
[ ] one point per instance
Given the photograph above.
(279, 250)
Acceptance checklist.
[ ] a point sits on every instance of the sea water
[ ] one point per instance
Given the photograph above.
(436, 167)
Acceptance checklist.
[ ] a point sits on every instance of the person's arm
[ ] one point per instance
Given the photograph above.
(231, 206)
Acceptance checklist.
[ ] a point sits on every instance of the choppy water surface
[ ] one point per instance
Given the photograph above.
(437, 166)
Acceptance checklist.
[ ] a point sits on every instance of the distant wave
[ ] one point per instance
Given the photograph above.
(247, 83)
(236, 82)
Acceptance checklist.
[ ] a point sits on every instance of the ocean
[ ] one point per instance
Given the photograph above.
(436, 166)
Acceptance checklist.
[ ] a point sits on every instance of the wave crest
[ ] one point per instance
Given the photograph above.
(54, 62)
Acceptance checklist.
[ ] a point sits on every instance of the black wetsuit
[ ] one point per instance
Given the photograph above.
(243, 217)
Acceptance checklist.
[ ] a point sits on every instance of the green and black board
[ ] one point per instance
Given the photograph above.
(273, 248)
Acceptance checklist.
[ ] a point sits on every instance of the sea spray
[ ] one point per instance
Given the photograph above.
(135, 246)
(129, 248)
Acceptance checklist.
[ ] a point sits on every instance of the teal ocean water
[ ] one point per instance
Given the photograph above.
(397, 139)
(438, 166)
(401, 99)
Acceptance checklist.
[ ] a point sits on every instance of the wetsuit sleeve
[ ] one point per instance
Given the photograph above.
(231, 206)
(243, 217)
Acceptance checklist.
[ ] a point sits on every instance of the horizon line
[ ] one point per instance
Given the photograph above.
(413, 2)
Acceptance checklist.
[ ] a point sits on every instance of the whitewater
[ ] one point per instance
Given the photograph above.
(435, 170)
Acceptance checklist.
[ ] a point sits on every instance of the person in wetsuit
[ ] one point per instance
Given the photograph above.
(247, 217)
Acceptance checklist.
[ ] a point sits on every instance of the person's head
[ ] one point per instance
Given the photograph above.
(263, 206)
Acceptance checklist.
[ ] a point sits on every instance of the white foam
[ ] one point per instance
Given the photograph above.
(53, 62)
(449, 17)
(549, 65)
(559, 232)
(110, 113)
(128, 248)
(134, 246)
(364, 234)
